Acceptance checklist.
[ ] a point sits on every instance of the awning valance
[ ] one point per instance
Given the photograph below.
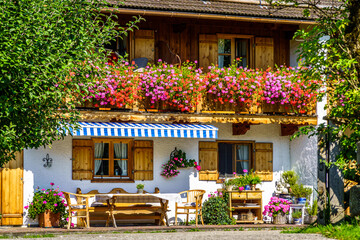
(113, 129)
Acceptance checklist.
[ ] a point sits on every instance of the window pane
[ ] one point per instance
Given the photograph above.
(242, 51)
(242, 152)
(111, 46)
(101, 167)
(121, 168)
(225, 158)
(224, 46)
(121, 150)
(240, 166)
(122, 45)
(224, 61)
(101, 150)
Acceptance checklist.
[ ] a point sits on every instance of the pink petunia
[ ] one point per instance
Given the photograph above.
(52, 184)
(44, 202)
(26, 207)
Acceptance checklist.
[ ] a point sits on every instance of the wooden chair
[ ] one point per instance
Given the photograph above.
(193, 202)
(80, 209)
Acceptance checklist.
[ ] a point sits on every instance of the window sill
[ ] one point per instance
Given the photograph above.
(112, 181)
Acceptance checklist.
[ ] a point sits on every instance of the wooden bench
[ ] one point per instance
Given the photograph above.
(125, 205)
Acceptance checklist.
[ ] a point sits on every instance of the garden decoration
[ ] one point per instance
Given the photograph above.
(165, 86)
(312, 211)
(215, 210)
(140, 188)
(177, 160)
(277, 208)
(49, 205)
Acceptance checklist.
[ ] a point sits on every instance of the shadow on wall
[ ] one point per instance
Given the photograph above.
(304, 160)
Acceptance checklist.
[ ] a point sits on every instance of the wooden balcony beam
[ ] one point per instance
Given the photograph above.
(112, 116)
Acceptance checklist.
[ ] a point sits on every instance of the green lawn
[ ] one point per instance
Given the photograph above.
(343, 231)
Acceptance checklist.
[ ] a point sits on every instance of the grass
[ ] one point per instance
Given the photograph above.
(343, 231)
(39, 236)
(194, 230)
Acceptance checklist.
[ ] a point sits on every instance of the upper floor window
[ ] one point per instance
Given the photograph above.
(118, 46)
(231, 47)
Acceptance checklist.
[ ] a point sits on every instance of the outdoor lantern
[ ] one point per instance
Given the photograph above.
(47, 161)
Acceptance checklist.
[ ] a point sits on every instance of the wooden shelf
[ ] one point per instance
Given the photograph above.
(237, 198)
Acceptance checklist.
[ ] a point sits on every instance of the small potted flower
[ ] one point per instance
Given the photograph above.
(49, 205)
(296, 215)
(301, 193)
(140, 188)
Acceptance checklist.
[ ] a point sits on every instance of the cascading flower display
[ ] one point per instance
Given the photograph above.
(178, 160)
(117, 88)
(276, 206)
(182, 88)
(178, 87)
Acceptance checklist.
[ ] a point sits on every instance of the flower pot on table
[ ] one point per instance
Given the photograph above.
(301, 200)
(49, 219)
(297, 221)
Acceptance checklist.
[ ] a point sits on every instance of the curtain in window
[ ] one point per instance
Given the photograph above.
(120, 152)
(99, 153)
(242, 154)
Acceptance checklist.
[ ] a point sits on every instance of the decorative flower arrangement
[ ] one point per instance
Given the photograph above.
(182, 87)
(178, 160)
(47, 199)
(117, 88)
(247, 178)
(276, 206)
(175, 87)
(234, 85)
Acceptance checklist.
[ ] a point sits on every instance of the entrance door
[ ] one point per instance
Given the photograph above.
(11, 192)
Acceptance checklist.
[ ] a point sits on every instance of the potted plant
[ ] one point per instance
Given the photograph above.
(289, 178)
(312, 211)
(301, 193)
(49, 205)
(253, 180)
(277, 208)
(296, 215)
(140, 188)
(228, 184)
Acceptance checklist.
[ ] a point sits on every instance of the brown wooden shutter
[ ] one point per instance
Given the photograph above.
(208, 50)
(82, 156)
(264, 52)
(264, 161)
(143, 160)
(208, 158)
(11, 191)
(144, 44)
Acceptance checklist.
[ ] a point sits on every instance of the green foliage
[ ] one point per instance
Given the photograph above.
(313, 209)
(343, 231)
(47, 199)
(245, 179)
(140, 186)
(49, 50)
(298, 190)
(215, 211)
(290, 177)
(296, 214)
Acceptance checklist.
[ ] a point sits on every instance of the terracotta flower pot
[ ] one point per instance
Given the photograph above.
(49, 219)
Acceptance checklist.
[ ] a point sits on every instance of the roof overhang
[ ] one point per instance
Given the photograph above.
(208, 16)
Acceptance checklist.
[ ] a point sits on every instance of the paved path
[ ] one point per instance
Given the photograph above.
(206, 235)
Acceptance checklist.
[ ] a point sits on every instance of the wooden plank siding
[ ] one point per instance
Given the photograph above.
(181, 36)
(11, 192)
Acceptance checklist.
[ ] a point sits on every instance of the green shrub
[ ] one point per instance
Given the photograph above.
(296, 214)
(312, 210)
(216, 211)
(298, 190)
(290, 177)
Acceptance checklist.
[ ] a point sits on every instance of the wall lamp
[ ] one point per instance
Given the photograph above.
(47, 161)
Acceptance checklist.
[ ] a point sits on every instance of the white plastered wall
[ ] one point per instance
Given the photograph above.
(61, 171)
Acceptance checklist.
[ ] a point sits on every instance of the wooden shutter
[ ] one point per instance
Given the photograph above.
(11, 191)
(143, 160)
(208, 50)
(208, 158)
(264, 161)
(264, 52)
(82, 159)
(144, 44)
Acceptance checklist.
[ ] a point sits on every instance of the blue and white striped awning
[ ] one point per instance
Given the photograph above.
(112, 129)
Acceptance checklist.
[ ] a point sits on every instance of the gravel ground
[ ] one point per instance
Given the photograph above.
(203, 235)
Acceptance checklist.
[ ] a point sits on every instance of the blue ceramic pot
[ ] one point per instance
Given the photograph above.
(247, 187)
(297, 221)
(301, 200)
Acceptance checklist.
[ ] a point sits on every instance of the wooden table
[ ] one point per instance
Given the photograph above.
(135, 203)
